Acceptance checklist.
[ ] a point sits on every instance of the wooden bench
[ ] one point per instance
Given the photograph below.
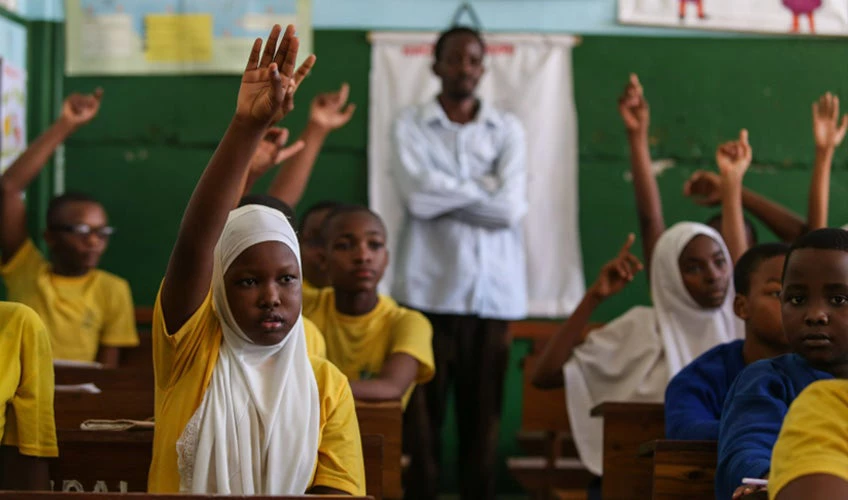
(119, 461)
(682, 469)
(385, 419)
(37, 495)
(72, 408)
(626, 427)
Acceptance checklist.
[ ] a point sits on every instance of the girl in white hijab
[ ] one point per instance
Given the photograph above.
(241, 409)
(633, 357)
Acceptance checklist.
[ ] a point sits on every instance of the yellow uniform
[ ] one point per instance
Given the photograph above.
(359, 345)
(80, 313)
(310, 295)
(183, 365)
(315, 344)
(814, 436)
(26, 383)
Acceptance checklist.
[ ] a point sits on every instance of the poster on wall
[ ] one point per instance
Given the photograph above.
(803, 17)
(12, 113)
(130, 37)
(10, 5)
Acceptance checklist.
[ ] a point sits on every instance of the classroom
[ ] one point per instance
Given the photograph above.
(424, 249)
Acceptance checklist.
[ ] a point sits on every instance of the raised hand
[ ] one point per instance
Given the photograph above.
(633, 107)
(734, 157)
(272, 150)
(617, 273)
(329, 111)
(79, 109)
(267, 88)
(704, 188)
(828, 131)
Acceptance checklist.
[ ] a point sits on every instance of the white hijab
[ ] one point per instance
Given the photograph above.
(257, 427)
(632, 358)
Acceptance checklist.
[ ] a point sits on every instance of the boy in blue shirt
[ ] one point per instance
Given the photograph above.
(695, 396)
(814, 309)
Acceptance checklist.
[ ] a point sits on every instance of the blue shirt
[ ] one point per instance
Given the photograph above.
(461, 249)
(695, 396)
(753, 413)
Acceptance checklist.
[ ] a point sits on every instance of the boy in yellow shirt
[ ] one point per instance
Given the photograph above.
(384, 349)
(88, 312)
(27, 426)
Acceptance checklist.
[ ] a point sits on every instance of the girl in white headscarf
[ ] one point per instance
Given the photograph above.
(240, 407)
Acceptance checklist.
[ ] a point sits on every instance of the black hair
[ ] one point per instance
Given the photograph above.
(715, 221)
(271, 202)
(456, 30)
(58, 202)
(829, 238)
(341, 210)
(750, 261)
(316, 207)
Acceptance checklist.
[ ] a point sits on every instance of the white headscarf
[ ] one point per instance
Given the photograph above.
(632, 358)
(258, 426)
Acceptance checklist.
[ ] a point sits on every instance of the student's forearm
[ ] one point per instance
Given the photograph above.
(377, 390)
(732, 218)
(26, 168)
(291, 180)
(218, 190)
(572, 333)
(108, 356)
(786, 224)
(648, 203)
(819, 190)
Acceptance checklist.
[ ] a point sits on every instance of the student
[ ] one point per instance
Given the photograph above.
(828, 133)
(695, 396)
(27, 426)
(88, 312)
(810, 458)
(815, 318)
(384, 349)
(240, 407)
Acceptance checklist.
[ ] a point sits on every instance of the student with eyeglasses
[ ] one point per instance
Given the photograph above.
(88, 312)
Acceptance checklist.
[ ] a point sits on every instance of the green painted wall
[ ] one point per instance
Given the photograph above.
(144, 152)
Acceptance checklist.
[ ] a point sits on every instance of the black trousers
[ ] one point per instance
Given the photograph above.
(472, 354)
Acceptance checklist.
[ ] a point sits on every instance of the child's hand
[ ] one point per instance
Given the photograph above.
(272, 150)
(828, 132)
(704, 188)
(79, 109)
(617, 273)
(267, 88)
(329, 111)
(633, 107)
(746, 489)
(734, 157)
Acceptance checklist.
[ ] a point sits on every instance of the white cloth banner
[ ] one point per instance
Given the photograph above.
(823, 17)
(530, 76)
(13, 141)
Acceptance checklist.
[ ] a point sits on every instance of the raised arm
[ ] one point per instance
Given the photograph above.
(265, 96)
(733, 159)
(636, 115)
(328, 112)
(614, 276)
(828, 133)
(270, 152)
(77, 110)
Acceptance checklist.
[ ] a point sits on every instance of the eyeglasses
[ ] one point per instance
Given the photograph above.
(84, 230)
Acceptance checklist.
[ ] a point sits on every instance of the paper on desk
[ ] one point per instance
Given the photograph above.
(69, 363)
(82, 388)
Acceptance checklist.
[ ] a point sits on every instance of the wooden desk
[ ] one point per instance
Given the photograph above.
(72, 409)
(385, 419)
(626, 427)
(682, 469)
(34, 495)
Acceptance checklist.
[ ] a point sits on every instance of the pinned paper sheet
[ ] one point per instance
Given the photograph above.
(178, 37)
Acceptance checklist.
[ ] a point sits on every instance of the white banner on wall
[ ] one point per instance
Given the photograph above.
(12, 113)
(531, 76)
(823, 17)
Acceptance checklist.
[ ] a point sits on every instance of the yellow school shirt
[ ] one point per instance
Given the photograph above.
(26, 382)
(183, 365)
(359, 345)
(80, 313)
(315, 344)
(814, 436)
(310, 295)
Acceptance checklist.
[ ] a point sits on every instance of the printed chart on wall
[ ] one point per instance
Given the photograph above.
(12, 113)
(130, 37)
(803, 17)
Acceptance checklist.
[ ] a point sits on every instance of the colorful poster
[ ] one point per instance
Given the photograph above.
(803, 17)
(131, 37)
(12, 113)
